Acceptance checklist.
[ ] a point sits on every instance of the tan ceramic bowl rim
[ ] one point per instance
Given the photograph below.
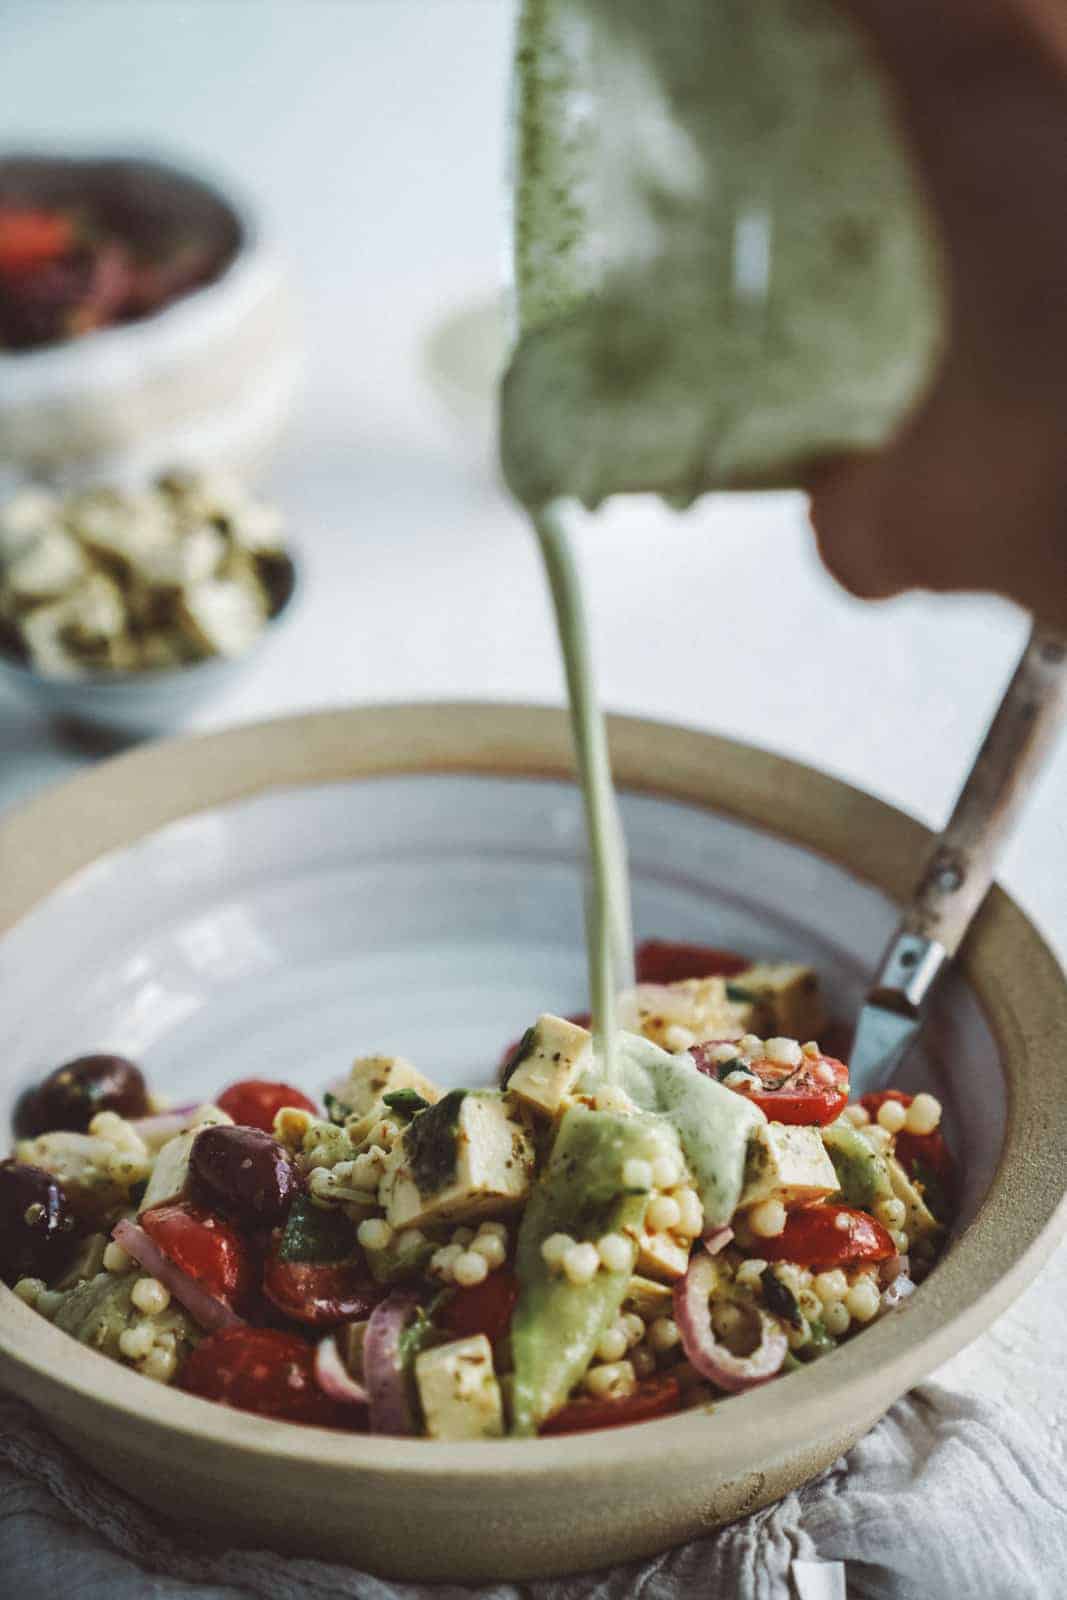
(1016, 978)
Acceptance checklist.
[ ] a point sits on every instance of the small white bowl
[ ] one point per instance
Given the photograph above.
(208, 381)
(109, 710)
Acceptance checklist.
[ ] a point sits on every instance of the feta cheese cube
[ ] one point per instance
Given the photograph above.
(48, 566)
(458, 1391)
(648, 1298)
(660, 1255)
(372, 1077)
(222, 616)
(552, 1057)
(170, 1174)
(468, 1156)
(790, 1164)
(785, 999)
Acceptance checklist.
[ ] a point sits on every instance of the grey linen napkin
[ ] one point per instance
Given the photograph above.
(948, 1497)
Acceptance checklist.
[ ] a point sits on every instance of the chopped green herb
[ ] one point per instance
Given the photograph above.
(430, 1143)
(312, 1234)
(933, 1190)
(780, 1299)
(336, 1109)
(525, 1047)
(739, 994)
(409, 1102)
(735, 1064)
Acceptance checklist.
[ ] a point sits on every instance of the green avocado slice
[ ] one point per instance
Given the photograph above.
(558, 1324)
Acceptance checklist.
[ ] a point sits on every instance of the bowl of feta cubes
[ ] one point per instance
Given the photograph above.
(322, 1207)
(122, 610)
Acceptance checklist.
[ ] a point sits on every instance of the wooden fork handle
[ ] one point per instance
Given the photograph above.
(960, 869)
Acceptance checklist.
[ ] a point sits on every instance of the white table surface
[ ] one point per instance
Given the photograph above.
(371, 133)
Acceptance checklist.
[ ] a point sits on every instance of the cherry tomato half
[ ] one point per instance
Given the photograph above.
(665, 961)
(321, 1295)
(823, 1237)
(266, 1371)
(203, 1245)
(814, 1093)
(255, 1102)
(486, 1307)
(655, 1397)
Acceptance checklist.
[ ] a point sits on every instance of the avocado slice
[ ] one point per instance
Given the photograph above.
(558, 1324)
(862, 1174)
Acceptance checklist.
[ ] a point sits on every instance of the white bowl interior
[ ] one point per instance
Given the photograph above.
(432, 916)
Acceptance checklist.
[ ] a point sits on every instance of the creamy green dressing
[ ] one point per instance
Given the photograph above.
(723, 273)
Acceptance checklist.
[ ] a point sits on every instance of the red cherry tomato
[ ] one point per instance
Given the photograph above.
(796, 1095)
(30, 238)
(655, 1397)
(484, 1308)
(203, 1245)
(255, 1102)
(823, 1237)
(925, 1157)
(321, 1295)
(665, 961)
(266, 1371)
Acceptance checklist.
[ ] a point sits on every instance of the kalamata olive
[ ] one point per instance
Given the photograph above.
(70, 1097)
(244, 1172)
(38, 1232)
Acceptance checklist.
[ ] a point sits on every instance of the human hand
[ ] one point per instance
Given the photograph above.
(973, 493)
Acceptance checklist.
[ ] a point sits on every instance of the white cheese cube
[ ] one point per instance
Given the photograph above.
(48, 566)
(785, 999)
(648, 1298)
(469, 1156)
(372, 1077)
(44, 633)
(788, 1164)
(458, 1391)
(551, 1058)
(659, 1255)
(26, 515)
(191, 558)
(170, 1175)
(223, 617)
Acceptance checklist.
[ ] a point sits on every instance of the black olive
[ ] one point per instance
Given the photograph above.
(244, 1172)
(38, 1232)
(70, 1097)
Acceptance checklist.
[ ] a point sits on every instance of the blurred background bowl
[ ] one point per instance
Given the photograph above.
(208, 380)
(108, 710)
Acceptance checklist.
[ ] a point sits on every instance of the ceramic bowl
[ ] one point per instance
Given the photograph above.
(110, 710)
(208, 381)
(279, 898)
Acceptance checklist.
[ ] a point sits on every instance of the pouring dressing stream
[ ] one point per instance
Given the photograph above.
(724, 272)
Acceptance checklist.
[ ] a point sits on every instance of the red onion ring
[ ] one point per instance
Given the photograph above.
(206, 1308)
(334, 1378)
(717, 1239)
(383, 1367)
(712, 1359)
(163, 1125)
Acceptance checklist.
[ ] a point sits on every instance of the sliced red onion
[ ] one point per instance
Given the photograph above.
(206, 1308)
(717, 1239)
(889, 1270)
(897, 1292)
(334, 1378)
(163, 1125)
(383, 1366)
(692, 1313)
